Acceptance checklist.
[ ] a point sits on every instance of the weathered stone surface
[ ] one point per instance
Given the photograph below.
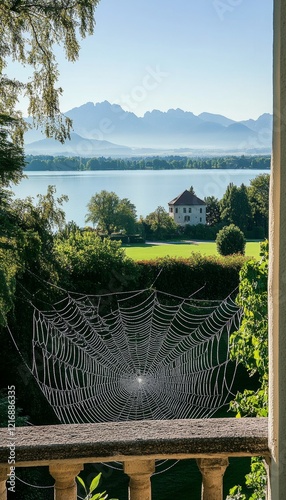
(180, 438)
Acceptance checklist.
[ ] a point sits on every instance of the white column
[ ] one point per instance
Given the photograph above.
(212, 470)
(64, 475)
(140, 472)
(277, 271)
(3, 479)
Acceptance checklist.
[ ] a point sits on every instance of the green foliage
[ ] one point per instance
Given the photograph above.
(201, 231)
(235, 493)
(30, 32)
(218, 276)
(235, 206)
(258, 193)
(159, 225)
(12, 159)
(8, 270)
(110, 213)
(212, 210)
(92, 265)
(230, 240)
(255, 480)
(151, 163)
(89, 493)
(249, 345)
(26, 243)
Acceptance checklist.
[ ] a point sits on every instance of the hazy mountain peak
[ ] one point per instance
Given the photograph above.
(216, 118)
(88, 106)
(172, 129)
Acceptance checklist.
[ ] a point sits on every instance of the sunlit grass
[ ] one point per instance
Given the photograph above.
(151, 251)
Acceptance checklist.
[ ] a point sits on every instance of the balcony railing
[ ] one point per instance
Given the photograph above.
(66, 448)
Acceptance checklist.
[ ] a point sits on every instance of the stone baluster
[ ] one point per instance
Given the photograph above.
(140, 472)
(64, 475)
(3, 479)
(212, 470)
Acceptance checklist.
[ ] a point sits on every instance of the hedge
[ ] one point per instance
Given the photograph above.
(219, 276)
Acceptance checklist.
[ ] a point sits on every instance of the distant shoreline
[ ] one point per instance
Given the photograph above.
(49, 163)
(267, 169)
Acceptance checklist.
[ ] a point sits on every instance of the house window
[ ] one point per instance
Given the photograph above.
(200, 219)
(187, 218)
(171, 209)
(184, 210)
(190, 210)
(201, 210)
(176, 210)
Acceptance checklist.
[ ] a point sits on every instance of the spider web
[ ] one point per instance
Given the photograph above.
(136, 356)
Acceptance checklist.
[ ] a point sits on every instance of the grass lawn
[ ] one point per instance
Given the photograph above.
(180, 249)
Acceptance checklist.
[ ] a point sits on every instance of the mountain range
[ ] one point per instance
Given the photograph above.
(108, 130)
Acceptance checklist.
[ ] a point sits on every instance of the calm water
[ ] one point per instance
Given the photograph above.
(147, 189)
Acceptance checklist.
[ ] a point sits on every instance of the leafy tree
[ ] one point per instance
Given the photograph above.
(26, 242)
(29, 33)
(235, 207)
(8, 270)
(230, 240)
(160, 225)
(90, 264)
(258, 193)
(12, 160)
(27, 266)
(110, 213)
(212, 210)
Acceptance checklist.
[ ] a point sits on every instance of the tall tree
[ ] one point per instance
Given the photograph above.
(235, 207)
(29, 33)
(212, 210)
(26, 240)
(258, 193)
(160, 224)
(12, 159)
(110, 213)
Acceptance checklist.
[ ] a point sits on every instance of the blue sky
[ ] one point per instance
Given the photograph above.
(197, 55)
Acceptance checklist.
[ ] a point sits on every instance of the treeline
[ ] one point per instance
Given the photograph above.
(62, 163)
(244, 206)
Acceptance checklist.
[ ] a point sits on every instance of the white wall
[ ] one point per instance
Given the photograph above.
(181, 213)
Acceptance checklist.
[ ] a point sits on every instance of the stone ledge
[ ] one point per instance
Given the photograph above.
(140, 439)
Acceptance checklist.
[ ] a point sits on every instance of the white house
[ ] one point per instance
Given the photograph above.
(187, 208)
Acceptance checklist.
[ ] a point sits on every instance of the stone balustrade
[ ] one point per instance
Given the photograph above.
(66, 448)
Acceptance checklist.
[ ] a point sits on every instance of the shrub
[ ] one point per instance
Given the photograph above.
(230, 240)
(218, 276)
(201, 231)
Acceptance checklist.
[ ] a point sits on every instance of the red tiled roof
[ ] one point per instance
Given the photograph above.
(186, 198)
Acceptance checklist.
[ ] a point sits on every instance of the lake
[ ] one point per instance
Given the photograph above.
(147, 189)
